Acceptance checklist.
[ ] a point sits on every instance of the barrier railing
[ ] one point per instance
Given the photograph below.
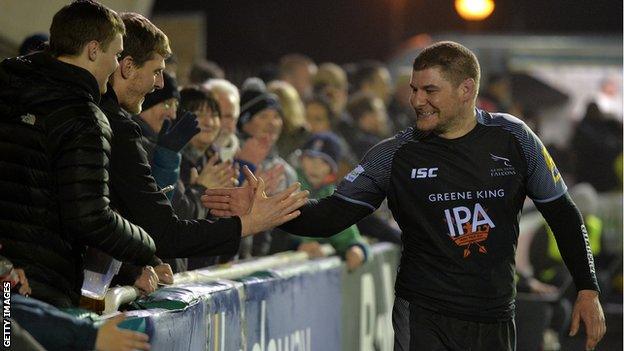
(282, 302)
(118, 296)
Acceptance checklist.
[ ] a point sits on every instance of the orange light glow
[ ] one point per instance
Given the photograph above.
(474, 10)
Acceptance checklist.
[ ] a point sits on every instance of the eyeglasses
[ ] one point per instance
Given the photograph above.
(170, 104)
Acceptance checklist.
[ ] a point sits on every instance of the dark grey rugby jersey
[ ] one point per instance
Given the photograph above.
(458, 204)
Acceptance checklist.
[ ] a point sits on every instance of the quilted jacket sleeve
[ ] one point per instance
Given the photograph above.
(79, 146)
(136, 196)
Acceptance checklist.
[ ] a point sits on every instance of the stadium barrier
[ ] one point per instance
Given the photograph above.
(283, 303)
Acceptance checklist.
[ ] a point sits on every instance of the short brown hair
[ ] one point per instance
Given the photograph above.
(143, 39)
(456, 61)
(80, 22)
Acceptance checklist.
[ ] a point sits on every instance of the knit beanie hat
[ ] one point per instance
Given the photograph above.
(168, 91)
(324, 145)
(255, 98)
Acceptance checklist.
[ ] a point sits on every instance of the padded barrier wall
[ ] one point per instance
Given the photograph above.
(312, 305)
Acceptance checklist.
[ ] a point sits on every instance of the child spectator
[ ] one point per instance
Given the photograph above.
(317, 173)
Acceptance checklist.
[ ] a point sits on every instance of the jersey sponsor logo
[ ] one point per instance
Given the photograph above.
(469, 228)
(506, 169)
(420, 173)
(355, 173)
(550, 164)
(590, 255)
(467, 195)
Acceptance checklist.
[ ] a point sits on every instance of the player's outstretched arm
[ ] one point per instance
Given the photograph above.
(567, 225)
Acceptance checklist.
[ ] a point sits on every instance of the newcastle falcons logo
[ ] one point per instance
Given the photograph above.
(506, 170)
(498, 158)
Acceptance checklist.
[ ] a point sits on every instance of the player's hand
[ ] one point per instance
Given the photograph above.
(587, 309)
(269, 212)
(111, 338)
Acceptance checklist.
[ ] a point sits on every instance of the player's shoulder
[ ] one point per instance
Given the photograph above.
(390, 145)
(377, 161)
(507, 123)
(498, 119)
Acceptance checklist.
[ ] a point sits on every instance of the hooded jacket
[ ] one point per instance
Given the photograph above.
(54, 196)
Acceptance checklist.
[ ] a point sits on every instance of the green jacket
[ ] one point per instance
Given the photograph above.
(342, 241)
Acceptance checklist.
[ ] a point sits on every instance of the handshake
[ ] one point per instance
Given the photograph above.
(257, 211)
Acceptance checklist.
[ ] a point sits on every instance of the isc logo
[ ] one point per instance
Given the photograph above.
(424, 173)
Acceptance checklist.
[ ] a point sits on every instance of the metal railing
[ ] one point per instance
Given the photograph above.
(121, 295)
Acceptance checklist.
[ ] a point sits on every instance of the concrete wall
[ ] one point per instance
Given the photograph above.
(187, 36)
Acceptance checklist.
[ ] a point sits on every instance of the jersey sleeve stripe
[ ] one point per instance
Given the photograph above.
(367, 184)
(353, 201)
(553, 198)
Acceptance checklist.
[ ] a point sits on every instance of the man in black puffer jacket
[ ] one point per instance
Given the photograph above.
(54, 155)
